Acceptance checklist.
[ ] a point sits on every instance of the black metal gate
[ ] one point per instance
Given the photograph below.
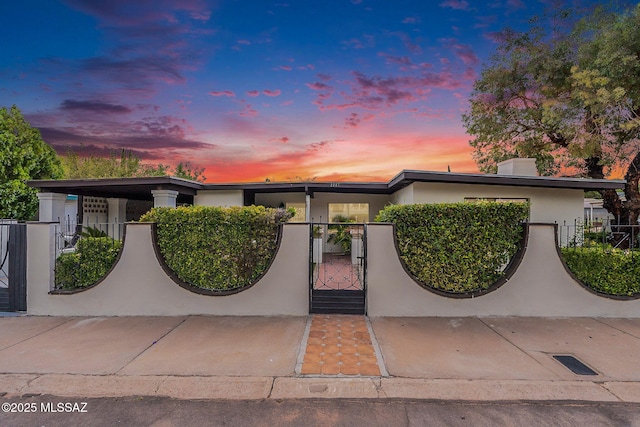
(13, 267)
(338, 268)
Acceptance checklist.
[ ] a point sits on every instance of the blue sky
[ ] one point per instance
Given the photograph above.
(337, 90)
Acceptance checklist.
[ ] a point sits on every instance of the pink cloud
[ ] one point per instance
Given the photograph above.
(496, 36)
(285, 67)
(466, 54)
(155, 49)
(353, 120)
(253, 93)
(462, 51)
(127, 13)
(381, 93)
(318, 86)
(268, 92)
(353, 44)
(338, 107)
(470, 74)
(222, 93)
(98, 107)
(411, 20)
(247, 110)
(441, 80)
(372, 91)
(515, 4)
(408, 42)
(150, 138)
(400, 60)
(283, 140)
(485, 21)
(455, 4)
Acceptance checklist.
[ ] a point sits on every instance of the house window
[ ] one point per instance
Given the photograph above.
(354, 212)
(301, 212)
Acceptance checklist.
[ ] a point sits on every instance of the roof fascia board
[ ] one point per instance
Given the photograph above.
(408, 177)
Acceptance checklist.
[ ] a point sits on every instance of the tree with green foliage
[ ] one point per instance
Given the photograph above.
(23, 156)
(124, 165)
(567, 94)
(188, 171)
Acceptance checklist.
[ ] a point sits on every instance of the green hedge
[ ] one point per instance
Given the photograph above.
(607, 270)
(92, 259)
(217, 248)
(457, 247)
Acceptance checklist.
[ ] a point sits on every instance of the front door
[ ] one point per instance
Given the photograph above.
(337, 279)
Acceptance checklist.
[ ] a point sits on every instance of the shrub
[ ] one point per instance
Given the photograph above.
(607, 270)
(457, 247)
(217, 248)
(341, 234)
(93, 258)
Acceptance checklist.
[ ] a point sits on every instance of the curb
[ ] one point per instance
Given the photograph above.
(259, 388)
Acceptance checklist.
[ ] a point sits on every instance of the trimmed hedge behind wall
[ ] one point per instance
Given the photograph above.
(457, 248)
(214, 248)
(93, 258)
(605, 269)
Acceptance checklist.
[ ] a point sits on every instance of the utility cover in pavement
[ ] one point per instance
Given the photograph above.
(576, 366)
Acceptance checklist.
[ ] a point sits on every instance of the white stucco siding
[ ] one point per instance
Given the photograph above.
(403, 196)
(219, 198)
(548, 205)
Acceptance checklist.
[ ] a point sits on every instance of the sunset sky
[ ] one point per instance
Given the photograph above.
(353, 90)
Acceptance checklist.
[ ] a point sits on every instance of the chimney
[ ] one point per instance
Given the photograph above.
(518, 167)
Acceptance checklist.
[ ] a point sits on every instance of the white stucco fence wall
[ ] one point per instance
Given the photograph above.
(540, 287)
(138, 285)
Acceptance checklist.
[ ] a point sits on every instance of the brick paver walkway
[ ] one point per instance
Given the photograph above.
(339, 345)
(337, 272)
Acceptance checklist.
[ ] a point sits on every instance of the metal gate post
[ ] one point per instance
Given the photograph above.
(18, 267)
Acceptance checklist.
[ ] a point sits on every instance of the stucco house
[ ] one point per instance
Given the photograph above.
(371, 280)
(118, 200)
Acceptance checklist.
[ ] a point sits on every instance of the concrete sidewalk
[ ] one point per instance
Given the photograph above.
(207, 357)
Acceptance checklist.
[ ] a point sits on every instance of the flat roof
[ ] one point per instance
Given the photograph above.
(130, 188)
(140, 188)
(407, 177)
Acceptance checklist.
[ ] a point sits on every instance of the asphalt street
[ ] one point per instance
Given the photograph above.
(166, 412)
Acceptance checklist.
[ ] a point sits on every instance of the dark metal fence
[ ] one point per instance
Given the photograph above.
(604, 256)
(13, 267)
(4, 255)
(600, 233)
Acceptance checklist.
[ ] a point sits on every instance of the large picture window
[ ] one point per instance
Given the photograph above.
(301, 211)
(352, 212)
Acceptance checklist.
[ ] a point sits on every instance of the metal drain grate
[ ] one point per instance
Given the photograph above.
(576, 366)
